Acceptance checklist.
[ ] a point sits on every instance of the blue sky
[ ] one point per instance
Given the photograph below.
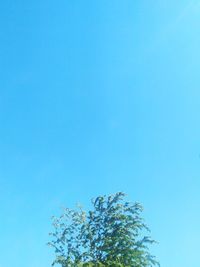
(98, 97)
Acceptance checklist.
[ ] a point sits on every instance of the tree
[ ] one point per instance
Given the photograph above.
(111, 234)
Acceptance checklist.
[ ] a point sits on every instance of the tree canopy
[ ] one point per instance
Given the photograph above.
(112, 233)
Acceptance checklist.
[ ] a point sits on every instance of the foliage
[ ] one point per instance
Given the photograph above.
(111, 234)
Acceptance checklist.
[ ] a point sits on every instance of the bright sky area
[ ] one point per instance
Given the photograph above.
(98, 97)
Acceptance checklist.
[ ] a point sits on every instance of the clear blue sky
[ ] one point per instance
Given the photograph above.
(98, 97)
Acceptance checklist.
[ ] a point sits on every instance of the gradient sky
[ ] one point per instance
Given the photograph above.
(98, 97)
